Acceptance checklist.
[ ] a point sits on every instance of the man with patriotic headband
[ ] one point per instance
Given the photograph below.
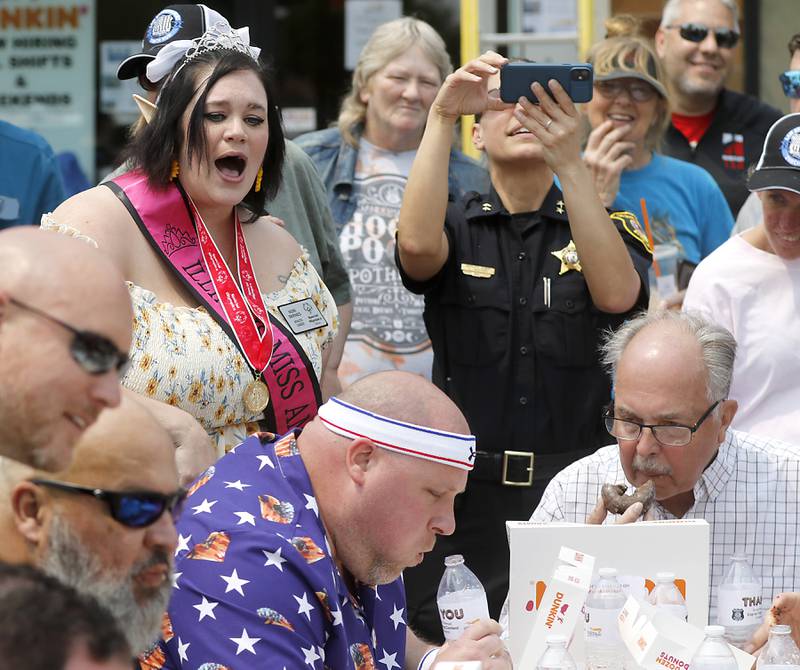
(291, 548)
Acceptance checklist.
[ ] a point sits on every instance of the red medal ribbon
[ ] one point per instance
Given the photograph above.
(256, 346)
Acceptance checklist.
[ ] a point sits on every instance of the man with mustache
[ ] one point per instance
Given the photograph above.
(103, 526)
(671, 416)
(712, 126)
(65, 330)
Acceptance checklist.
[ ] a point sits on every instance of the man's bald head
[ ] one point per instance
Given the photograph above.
(383, 509)
(50, 399)
(406, 397)
(74, 536)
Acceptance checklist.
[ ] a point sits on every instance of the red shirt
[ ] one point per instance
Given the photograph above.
(692, 127)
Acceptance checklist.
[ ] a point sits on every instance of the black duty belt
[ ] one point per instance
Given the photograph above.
(516, 468)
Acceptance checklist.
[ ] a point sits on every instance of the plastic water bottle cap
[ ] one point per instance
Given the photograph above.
(455, 559)
(662, 577)
(715, 631)
(554, 640)
(607, 572)
(781, 629)
(738, 557)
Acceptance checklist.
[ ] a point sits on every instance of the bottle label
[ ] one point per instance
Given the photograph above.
(602, 626)
(739, 608)
(457, 613)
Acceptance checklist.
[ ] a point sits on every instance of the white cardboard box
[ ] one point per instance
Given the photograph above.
(560, 609)
(638, 549)
(658, 641)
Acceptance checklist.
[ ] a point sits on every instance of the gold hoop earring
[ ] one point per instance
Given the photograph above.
(174, 171)
(259, 177)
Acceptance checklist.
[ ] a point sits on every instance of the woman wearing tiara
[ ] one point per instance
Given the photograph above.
(231, 321)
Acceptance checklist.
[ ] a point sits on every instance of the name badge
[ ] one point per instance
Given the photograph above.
(302, 316)
(480, 271)
(9, 209)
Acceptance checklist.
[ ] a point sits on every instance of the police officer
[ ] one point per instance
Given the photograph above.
(519, 285)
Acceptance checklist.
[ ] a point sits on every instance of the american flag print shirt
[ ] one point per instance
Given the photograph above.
(255, 585)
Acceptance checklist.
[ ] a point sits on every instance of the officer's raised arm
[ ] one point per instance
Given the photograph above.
(422, 244)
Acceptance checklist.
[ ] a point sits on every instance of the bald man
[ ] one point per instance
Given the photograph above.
(291, 548)
(65, 331)
(103, 526)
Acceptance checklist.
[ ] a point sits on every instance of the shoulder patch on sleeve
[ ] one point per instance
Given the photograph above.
(630, 224)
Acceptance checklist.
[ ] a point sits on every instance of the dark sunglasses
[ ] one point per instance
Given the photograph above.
(95, 353)
(135, 509)
(791, 83)
(697, 32)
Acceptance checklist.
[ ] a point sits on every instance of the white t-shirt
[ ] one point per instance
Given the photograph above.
(756, 295)
(387, 332)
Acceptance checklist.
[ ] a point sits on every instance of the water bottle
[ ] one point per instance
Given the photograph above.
(714, 653)
(556, 656)
(461, 598)
(666, 596)
(780, 652)
(739, 602)
(604, 647)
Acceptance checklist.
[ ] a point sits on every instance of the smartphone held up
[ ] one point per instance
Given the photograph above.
(516, 79)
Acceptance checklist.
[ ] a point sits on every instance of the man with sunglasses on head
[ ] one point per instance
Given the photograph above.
(65, 330)
(671, 418)
(104, 526)
(752, 213)
(719, 129)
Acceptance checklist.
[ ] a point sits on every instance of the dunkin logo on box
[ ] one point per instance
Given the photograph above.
(557, 611)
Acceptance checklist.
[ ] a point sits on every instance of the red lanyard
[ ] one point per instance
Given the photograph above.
(256, 346)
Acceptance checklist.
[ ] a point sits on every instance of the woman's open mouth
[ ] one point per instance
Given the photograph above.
(231, 167)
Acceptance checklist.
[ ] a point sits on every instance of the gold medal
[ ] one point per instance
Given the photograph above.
(256, 396)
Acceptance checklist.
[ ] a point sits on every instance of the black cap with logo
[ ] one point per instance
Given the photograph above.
(779, 165)
(174, 22)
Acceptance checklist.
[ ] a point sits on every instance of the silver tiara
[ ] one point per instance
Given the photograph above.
(219, 36)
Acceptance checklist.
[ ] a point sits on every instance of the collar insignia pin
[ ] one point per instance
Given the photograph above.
(486, 207)
(560, 207)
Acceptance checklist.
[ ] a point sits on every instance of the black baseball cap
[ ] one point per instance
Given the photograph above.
(779, 165)
(174, 22)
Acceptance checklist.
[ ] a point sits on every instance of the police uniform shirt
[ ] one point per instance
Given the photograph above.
(514, 330)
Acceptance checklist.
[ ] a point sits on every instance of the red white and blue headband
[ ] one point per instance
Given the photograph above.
(438, 446)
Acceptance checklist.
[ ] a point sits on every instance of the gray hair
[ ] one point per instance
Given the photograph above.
(390, 40)
(717, 344)
(673, 7)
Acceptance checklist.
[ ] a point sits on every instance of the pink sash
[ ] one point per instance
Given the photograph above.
(164, 218)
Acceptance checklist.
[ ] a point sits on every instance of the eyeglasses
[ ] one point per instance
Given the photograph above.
(791, 83)
(637, 91)
(697, 32)
(135, 509)
(95, 353)
(668, 435)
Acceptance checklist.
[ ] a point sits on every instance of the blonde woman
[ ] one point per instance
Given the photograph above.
(364, 162)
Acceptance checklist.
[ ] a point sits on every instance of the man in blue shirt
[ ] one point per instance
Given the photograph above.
(30, 181)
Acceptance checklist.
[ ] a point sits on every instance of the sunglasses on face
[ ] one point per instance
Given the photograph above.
(94, 353)
(697, 32)
(638, 92)
(135, 509)
(791, 83)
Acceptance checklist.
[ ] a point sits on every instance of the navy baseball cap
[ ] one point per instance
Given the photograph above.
(174, 22)
(779, 164)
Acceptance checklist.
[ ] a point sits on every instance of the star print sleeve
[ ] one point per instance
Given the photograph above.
(257, 608)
